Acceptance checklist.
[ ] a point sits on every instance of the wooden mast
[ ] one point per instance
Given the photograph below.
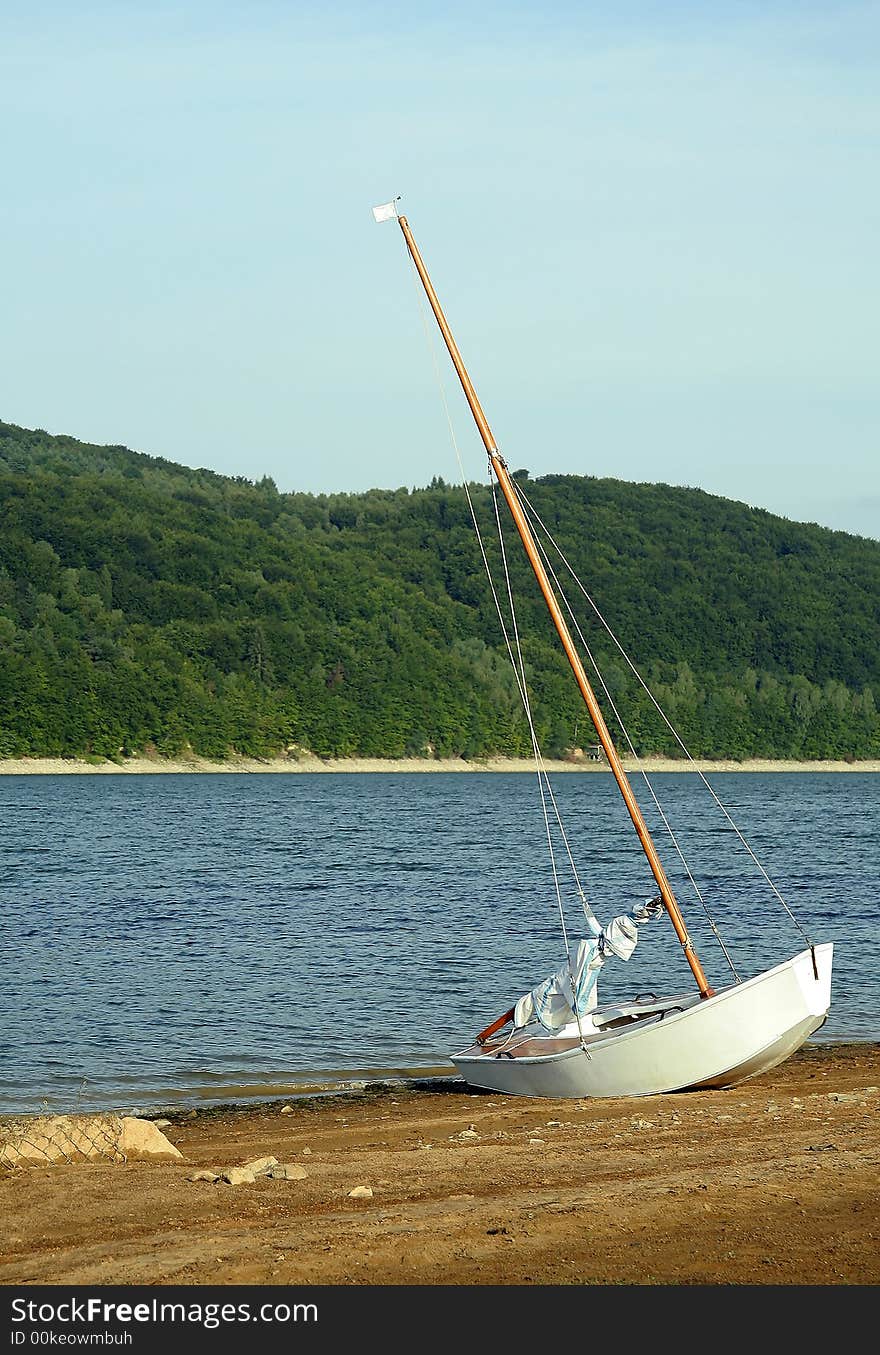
(503, 475)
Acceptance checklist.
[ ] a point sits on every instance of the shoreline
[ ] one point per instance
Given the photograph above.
(305, 763)
(760, 1184)
(375, 1085)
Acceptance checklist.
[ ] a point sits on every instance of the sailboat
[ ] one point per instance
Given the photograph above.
(558, 1040)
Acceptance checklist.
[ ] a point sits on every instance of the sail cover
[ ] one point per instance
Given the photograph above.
(571, 991)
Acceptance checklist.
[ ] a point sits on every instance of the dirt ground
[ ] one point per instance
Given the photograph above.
(776, 1182)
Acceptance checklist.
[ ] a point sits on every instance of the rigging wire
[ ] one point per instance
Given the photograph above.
(535, 518)
(544, 786)
(544, 778)
(625, 732)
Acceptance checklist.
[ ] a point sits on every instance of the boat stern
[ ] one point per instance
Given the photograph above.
(812, 968)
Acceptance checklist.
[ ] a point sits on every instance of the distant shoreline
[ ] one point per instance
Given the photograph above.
(300, 764)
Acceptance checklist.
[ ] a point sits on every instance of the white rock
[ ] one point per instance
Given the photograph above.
(361, 1193)
(287, 1171)
(260, 1165)
(141, 1139)
(239, 1176)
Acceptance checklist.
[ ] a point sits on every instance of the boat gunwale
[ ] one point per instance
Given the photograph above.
(604, 1039)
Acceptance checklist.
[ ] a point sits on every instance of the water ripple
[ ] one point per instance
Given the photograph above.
(172, 938)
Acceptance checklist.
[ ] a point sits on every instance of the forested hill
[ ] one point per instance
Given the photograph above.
(144, 605)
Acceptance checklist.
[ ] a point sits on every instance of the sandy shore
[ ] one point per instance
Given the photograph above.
(771, 1183)
(306, 763)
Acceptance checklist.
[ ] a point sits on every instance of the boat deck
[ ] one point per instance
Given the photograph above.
(597, 1026)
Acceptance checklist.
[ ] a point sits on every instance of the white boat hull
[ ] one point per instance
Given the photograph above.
(734, 1035)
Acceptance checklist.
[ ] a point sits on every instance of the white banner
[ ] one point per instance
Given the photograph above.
(385, 213)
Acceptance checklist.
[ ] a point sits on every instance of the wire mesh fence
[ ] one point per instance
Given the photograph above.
(57, 1139)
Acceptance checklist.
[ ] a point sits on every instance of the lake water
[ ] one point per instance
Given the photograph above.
(172, 940)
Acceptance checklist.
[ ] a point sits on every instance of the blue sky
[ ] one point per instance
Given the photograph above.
(653, 228)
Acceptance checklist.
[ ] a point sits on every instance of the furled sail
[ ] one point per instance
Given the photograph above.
(571, 992)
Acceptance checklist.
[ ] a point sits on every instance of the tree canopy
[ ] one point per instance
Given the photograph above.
(148, 606)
